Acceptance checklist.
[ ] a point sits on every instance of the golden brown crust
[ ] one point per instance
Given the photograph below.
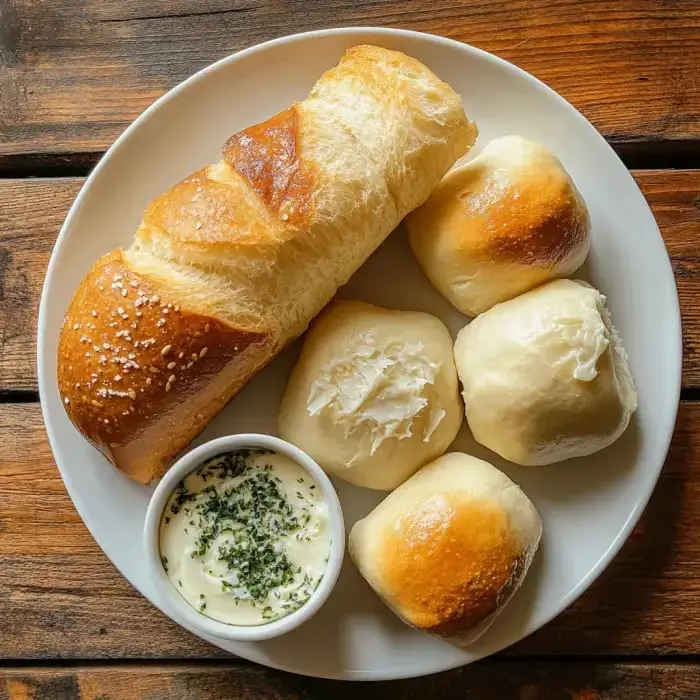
(267, 156)
(450, 565)
(129, 360)
(200, 211)
(536, 222)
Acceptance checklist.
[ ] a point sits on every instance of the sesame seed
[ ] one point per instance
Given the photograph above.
(139, 314)
(97, 404)
(165, 310)
(235, 347)
(166, 350)
(154, 370)
(106, 421)
(117, 377)
(180, 355)
(177, 308)
(167, 386)
(198, 225)
(94, 313)
(206, 328)
(284, 217)
(194, 357)
(149, 381)
(199, 189)
(76, 326)
(189, 364)
(133, 284)
(124, 292)
(66, 400)
(203, 352)
(131, 356)
(132, 394)
(155, 298)
(120, 310)
(171, 365)
(160, 323)
(172, 379)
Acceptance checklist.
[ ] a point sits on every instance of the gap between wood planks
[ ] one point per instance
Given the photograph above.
(26, 396)
(501, 658)
(683, 154)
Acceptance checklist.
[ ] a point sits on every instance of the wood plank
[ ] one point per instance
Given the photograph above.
(32, 211)
(31, 215)
(61, 598)
(76, 72)
(594, 680)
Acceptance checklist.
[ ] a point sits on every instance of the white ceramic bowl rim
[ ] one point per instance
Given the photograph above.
(175, 604)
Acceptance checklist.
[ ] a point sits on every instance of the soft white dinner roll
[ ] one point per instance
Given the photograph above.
(505, 222)
(374, 395)
(545, 376)
(448, 548)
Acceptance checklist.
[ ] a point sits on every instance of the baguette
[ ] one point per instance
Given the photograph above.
(233, 262)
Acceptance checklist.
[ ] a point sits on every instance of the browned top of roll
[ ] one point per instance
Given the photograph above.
(449, 564)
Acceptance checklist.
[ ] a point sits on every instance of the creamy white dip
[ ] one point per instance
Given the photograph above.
(245, 538)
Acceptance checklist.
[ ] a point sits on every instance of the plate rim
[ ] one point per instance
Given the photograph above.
(45, 385)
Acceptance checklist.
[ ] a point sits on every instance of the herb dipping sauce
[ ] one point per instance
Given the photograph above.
(245, 537)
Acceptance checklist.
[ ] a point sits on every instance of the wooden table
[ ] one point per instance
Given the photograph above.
(73, 74)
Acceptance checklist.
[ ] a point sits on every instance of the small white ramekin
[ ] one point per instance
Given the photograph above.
(175, 605)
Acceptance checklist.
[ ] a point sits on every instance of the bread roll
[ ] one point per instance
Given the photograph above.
(503, 223)
(447, 550)
(233, 262)
(545, 376)
(374, 395)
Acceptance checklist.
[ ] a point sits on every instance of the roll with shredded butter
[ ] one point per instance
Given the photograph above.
(545, 376)
(374, 395)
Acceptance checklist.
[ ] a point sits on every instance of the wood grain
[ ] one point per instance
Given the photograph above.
(32, 211)
(74, 73)
(494, 679)
(61, 598)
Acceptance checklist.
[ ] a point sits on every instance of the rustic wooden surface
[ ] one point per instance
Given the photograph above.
(505, 680)
(61, 598)
(32, 212)
(73, 74)
(78, 71)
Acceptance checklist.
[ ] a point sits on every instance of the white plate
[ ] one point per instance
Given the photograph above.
(588, 506)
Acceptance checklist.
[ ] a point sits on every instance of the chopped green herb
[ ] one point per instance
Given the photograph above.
(241, 524)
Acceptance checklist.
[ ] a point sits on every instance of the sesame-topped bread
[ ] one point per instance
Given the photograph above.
(234, 261)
